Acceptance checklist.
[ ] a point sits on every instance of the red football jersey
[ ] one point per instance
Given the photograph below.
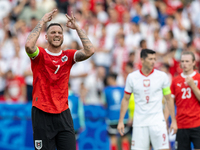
(50, 79)
(188, 106)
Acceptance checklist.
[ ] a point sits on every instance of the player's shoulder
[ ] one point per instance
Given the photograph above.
(67, 51)
(177, 78)
(160, 74)
(156, 71)
(134, 73)
(41, 49)
(197, 74)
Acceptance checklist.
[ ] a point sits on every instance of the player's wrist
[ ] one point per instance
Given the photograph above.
(77, 28)
(121, 121)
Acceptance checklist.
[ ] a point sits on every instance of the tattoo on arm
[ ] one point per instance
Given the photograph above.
(88, 47)
(80, 56)
(33, 36)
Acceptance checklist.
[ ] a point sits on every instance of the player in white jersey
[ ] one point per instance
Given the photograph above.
(148, 86)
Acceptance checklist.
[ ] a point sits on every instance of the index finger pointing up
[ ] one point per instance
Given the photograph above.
(72, 14)
(53, 11)
(68, 16)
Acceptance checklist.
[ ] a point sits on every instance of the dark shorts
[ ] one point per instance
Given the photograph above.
(51, 131)
(184, 137)
(112, 130)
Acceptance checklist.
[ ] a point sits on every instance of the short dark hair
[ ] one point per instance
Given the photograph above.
(144, 53)
(54, 24)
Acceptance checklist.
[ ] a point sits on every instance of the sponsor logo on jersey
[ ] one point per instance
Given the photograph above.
(38, 144)
(64, 58)
(55, 61)
(146, 82)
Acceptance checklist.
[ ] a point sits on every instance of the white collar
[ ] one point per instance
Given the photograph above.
(53, 54)
(191, 75)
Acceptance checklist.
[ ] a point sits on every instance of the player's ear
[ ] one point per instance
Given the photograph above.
(46, 37)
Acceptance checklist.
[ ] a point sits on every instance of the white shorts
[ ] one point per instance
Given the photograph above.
(156, 134)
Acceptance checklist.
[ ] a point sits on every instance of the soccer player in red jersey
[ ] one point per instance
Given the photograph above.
(185, 91)
(51, 118)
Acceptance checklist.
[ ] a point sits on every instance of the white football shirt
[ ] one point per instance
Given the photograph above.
(148, 96)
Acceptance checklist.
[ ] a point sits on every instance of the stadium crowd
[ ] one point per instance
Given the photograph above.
(119, 29)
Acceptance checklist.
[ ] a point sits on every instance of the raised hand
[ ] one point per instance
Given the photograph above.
(71, 22)
(189, 80)
(48, 16)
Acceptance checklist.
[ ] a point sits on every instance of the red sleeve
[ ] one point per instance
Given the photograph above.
(36, 59)
(71, 54)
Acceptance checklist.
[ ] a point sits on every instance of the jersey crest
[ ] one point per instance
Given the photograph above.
(64, 58)
(146, 82)
(38, 144)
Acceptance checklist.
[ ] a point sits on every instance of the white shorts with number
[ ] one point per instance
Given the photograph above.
(156, 134)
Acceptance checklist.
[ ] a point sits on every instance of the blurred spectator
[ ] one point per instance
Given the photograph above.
(172, 59)
(196, 39)
(147, 26)
(31, 10)
(120, 54)
(18, 61)
(47, 5)
(22, 32)
(173, 5)
(15, 91)
(7, 47)
(102, 56)
(148, 7)
(162, 13)
(113, 25)
(136, 12)
(28, 76)
(157, 43)
(113, 96)
(102, 16)
(134, 33)
(3, 70)
(93, 86)
(191, 47)
(5, 8)
(77, 111)
(78, 71)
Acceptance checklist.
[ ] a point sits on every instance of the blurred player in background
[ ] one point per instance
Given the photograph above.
(113, 97)
(51, 118)
(148, 86)
(185, 91)
(77, 112)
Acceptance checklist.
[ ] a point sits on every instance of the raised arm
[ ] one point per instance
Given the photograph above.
(88, 48)
(33, 36)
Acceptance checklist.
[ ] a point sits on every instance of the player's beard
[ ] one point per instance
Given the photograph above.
(55, 45)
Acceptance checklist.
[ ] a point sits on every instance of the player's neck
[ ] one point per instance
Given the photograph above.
(146, 71)
(53, 49)
(188, 72)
